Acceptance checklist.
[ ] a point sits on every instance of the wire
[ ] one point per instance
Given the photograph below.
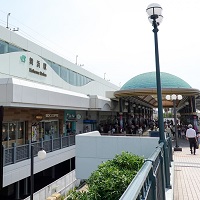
(34, 39)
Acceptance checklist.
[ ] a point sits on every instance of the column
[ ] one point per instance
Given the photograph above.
(26, 186)
(17, 187)
(120, 114)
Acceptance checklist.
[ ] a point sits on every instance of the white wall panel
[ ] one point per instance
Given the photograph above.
(93, 149)
(34, 48)
(5, 34)
(4, 60)
(3, 89)
(45, 53)
(15, 38)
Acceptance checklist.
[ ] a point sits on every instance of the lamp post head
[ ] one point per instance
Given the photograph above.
(179, 97)
(42, 154)
(154, 12)
(173, 97)
(168, 97)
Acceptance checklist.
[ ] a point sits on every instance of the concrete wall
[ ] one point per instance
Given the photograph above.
(92, 149)
(62, 186)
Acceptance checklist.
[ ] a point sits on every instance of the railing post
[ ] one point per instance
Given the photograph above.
(166, 165)
(52, 143)
(29, 149)
(61, 137)
(41, 143)
(14, 152)
(170, 149)
(4, 155)
(163, 172)
(68, 140)
(154, 186)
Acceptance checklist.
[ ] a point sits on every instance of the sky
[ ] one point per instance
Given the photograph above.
(112, 38)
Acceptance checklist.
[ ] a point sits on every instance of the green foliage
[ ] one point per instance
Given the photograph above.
(167, 115)
(76, 195)
(111, 178)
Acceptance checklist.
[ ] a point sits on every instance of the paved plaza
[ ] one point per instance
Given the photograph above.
(185, 173)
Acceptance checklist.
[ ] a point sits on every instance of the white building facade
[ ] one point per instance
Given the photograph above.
(45, 97)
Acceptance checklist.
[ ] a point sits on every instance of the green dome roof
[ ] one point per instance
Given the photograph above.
(148, 80)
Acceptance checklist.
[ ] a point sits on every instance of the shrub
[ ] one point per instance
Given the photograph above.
(111, 178)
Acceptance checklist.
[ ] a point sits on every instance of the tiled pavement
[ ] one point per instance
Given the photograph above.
(186, 173)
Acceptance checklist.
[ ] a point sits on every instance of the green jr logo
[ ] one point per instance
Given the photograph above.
(23, 58)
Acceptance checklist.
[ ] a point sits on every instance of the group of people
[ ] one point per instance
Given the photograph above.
(181, 130)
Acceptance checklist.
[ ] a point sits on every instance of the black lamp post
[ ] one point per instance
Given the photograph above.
(174, 97)
(154, 12)
(41, 155)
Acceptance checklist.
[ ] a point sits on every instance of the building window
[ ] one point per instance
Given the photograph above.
(12, 48)
(48, 129)
(13, 132)
(3, 47)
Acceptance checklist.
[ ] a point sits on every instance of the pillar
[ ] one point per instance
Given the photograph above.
(120, 114)
(17, 188)
(26, 186)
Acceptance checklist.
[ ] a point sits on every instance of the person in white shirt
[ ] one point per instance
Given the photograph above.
(191, 136)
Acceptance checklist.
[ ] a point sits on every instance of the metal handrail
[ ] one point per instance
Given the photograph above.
(144, 183)
(134, 188)
(16, 153)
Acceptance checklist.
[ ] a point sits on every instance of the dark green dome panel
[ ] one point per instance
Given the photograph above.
(148, 80)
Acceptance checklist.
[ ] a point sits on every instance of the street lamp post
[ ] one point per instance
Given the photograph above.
(154, 12)
(41, 155)
(174, 97)
(7, 19)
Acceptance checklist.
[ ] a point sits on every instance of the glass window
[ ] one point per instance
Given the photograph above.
(3, 47)
(56, 68)
(12, 48)
(72, 77)
(78, 80)
(64, 74)
(75, 78)
(81, 80)
(84, 80)
(13, 132)
(68, 75)
(48, 129)
(48, 62)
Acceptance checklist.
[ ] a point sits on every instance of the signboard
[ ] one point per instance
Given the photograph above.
(89, 121)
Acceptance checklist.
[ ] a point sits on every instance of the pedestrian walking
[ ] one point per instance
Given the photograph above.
(191, 136)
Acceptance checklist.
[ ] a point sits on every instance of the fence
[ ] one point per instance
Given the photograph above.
(149, 183)
(18, 153)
